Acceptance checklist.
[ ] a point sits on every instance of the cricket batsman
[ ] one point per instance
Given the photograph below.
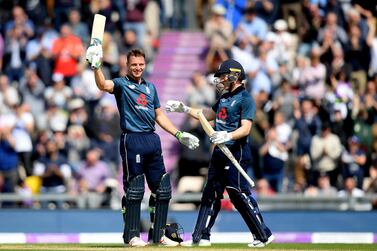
(233, 114)
(140, 146)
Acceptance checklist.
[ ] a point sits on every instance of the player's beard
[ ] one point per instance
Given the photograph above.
(223, 87)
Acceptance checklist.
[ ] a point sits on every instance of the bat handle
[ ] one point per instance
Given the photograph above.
(95, 59)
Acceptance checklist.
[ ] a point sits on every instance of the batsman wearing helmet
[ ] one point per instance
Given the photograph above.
(233, 114)
(140, 146)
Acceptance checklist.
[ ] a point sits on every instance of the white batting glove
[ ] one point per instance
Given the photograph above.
(176, 106)
(220, 137)
(187, 139)
(94, 55)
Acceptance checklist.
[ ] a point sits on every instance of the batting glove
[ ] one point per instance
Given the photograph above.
(94, 54)
(187, 139)
(176, 106)
(220, 137)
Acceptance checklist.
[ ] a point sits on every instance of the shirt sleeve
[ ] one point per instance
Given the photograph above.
(156, 101)
(215, 107)
(117, 84)
(248, 108)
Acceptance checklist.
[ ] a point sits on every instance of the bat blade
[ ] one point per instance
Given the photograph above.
(209, 131)
(98, 28)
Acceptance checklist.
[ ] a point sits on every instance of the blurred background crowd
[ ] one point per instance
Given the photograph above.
(311, 67)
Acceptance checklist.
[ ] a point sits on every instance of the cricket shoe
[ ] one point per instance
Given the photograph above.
(166, 242)
(201, 243)
(259, 244)
(137, 242)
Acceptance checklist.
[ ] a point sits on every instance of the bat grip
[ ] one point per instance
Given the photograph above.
(95, 59)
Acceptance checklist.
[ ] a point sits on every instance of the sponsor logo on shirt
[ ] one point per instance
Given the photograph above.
(220, 122)
(221, 116)
(142, 102)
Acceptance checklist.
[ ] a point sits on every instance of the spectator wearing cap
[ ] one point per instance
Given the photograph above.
(217, 29)
(55, 119)
(353, 159)
(58, 93)
(325, 150)
(77, 112)
(218, 32)
(286, 43)
(78, 144)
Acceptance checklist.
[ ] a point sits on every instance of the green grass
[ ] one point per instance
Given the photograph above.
(119, 247)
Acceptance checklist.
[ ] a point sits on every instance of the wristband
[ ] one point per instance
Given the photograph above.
(178, 135)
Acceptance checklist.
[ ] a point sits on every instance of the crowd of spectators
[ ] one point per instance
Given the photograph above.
(311, 68)
(58, 132)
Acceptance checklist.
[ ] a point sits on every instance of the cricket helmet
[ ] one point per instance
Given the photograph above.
(231, 66)
(174, 232)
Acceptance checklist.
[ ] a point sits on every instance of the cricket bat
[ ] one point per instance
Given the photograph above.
(209, 131)
(98, 29)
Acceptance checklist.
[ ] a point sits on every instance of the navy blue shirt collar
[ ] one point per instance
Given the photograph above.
(235, 92)
(129, 78)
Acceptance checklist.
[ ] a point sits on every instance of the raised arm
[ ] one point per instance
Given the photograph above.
(101, 82)
(94, 56)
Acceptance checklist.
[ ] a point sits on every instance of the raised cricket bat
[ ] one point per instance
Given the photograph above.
(209, 131)
(98, 29)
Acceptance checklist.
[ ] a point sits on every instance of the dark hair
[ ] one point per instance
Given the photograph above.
(135, 53)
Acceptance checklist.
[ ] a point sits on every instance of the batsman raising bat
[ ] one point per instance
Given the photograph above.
(233, 114)
(140, 146)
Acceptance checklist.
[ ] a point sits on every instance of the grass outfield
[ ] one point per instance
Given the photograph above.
(119, 247)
